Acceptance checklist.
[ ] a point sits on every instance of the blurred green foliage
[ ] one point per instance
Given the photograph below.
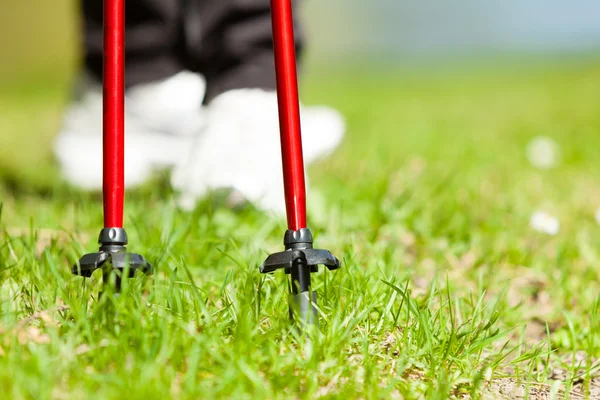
(38, 49)
(37, 37)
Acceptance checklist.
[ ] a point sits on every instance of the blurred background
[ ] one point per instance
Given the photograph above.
(397, 30)
(41, 36)
(39, 52)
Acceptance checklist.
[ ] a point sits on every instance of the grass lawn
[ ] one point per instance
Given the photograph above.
(445, 290)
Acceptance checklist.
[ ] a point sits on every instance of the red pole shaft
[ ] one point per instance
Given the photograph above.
(113, 184)
(289, 113)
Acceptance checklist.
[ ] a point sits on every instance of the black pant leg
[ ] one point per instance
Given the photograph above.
(230, 42)
(153, 32)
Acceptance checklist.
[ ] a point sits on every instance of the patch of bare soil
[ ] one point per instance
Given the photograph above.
(511, 388)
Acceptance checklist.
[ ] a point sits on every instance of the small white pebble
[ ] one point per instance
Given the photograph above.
(545, 223)
(235, 199)
(543, 152)
(187, 202)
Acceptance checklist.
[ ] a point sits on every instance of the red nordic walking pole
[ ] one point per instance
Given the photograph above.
(289, 113)
(113, 255)
(113, 119)
(299, 259)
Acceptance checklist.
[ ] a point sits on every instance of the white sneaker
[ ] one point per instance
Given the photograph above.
(240, 148)
(160, 119)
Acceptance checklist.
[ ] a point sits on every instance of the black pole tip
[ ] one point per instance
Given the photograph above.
(112, 256)
(300, 260)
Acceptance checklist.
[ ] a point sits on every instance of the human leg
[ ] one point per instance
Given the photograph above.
(240, 146)
(163, 101)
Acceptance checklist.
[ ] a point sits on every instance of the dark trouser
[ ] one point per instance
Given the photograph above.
(227, 41)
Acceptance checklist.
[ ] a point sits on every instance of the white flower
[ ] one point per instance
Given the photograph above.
(545, 223)
(543, 152)
(598, 216)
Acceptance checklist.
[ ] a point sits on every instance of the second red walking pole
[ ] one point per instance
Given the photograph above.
(113, 118)
(299, 259)
(113, 255)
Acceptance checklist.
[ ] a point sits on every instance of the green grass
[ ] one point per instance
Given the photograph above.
(445, 290)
